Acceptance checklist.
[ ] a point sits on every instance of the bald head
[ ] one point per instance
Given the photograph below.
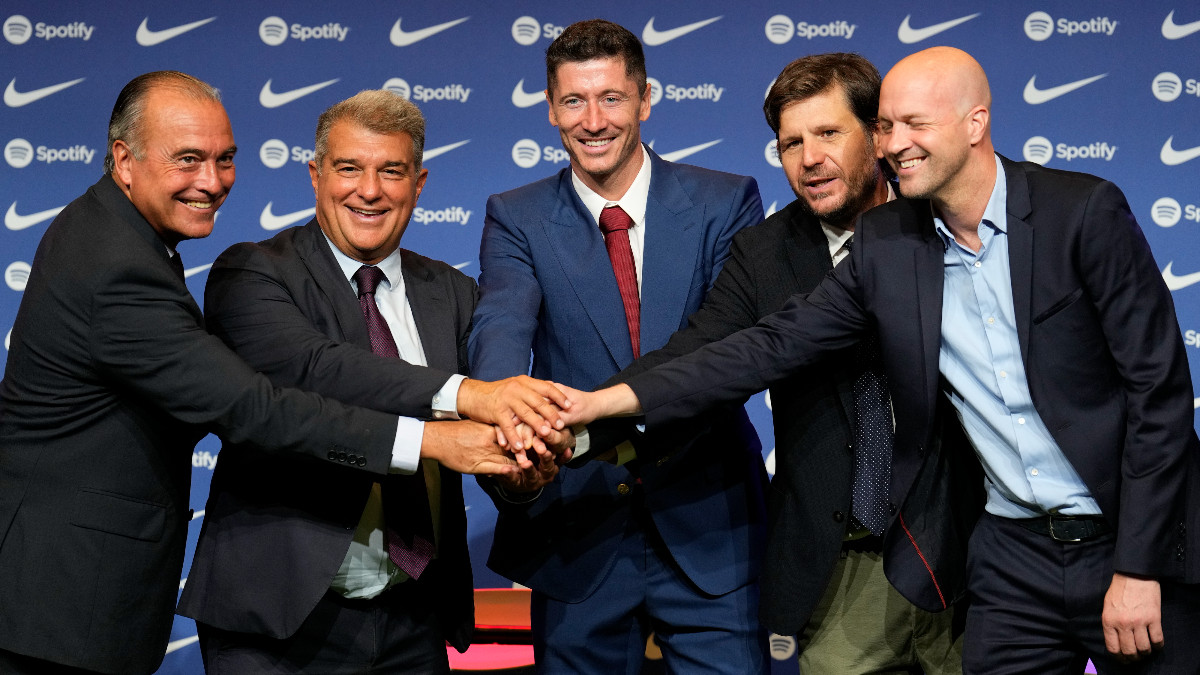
(935, 127)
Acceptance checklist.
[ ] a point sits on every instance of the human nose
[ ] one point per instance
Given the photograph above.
(208, 179)
(593, 118)
(369, 185)
(812, 154)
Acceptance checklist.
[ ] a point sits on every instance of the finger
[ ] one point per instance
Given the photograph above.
(1157, 639)
(564, 457)
(552, 391)
(508, 427)
(1128, 643)
(500, 439)
(522, 459)
(1111, 642)
(501, 466)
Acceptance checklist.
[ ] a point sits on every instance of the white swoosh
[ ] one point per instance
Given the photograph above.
(402, 38)
(654, 38)
(1170, 156)
(15, 221)
(270, 99)
(149, 38)
(1196, 403)
(1174, 31)
(270, 221)
(1175, 283)
(430, 154)
(461, 265)
(524, 99)
(1034, 96)
(176, 645)
(193, 271)
(16, 99)
(772, 209)
(680, 154)
(909, 35)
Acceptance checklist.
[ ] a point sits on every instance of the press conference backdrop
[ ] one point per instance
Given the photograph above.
(1107, 88)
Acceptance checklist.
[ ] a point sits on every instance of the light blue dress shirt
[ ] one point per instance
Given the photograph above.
(980, 358)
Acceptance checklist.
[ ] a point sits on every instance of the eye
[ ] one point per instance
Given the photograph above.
(572, 102)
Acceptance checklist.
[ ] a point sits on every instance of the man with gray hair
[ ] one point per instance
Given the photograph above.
(110, 382)
(305, 568)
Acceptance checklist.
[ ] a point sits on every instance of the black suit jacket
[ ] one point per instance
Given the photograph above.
(809, 505)
(278, 525)
(1099, 340)
(111, 380)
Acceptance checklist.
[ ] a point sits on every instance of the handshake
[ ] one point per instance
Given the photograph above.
(519, 430)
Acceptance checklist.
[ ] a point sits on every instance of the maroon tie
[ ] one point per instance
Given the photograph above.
(615, 224)
(408, 522)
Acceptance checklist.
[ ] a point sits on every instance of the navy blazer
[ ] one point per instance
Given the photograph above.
(277, 525)
(546, 284)
(1100, 344)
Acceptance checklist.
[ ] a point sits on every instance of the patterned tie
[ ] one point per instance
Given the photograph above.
(408, 522)
(874, 437)
(615, 224)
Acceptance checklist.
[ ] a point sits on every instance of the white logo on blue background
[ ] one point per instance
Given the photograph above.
(780, 29)
(783, 647)
(398, 85)
(1039, 26)
(273, 153)
(17, 275)
(17, 29)
(273, 31)
(1166, 86)
(526, 152)
(1038, 150)
(18, 153)
(1166, 212)
(656, 90)
(771, 152)
(526, 30)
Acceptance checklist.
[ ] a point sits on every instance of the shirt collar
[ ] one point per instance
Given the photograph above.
(995, 214)
(390, 266)
(633, 202)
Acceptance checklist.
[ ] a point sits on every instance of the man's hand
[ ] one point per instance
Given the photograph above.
(531, 478)
(506, 403)
(467, 447)
(587, 407)
(1132, 617)
(556, 447)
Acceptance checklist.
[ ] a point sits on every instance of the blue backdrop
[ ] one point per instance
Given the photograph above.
(1104, 87)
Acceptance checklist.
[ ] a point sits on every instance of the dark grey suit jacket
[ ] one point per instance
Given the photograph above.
(278, 524)
(111, 380)
(1099, 340)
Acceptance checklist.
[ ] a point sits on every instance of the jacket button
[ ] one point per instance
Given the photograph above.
(362, 461)
(839, 517)
(661, 461)
(332, 456)
(623, 489)
(341, 457)
(891, 508)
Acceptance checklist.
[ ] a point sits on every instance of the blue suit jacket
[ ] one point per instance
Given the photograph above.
(546, 284)
(1099, 340)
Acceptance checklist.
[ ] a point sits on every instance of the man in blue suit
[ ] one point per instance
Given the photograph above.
(668, 536)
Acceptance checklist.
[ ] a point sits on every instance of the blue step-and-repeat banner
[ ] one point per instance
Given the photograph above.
(1106, 87)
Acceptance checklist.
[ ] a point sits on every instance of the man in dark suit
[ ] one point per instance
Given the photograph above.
(1021, 315)
(297, 568)
(672, 541)
(110, 382)
(823, 578)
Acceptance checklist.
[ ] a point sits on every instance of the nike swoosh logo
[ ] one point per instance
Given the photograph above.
(270, 99)
(771, 210)
(909, 35)
(149, 38)
(193, 271)
(1034, 96)
(461, 265)
(680, 154)
(402, 38)
(1196, 404)
(430, 154)
(176, 645)
(16, 99)
(16, 222)
(524, 99)
(1174, 31)
(1175, 283)
(270, 221)
(1171, 157)
(654, 38)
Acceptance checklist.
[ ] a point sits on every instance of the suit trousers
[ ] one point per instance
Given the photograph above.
(1036, 606)
(395, 632)
(644, 592)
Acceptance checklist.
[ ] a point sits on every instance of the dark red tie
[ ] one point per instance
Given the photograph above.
(615, 224)
(408, 522)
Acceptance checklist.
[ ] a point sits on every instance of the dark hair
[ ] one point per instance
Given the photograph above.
(596, 39)
(125, 124)
(379, 111)
(811, 75)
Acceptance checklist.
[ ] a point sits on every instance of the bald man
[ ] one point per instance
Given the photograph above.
(1036, 371)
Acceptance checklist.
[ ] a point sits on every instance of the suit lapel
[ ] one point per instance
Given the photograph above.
(314, 252)
(1020, 251)
(430, 309)
(673, 234)
(929, 267)
(578, 245)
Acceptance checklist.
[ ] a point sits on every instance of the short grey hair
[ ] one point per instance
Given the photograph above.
(126, 121)
(378, 110)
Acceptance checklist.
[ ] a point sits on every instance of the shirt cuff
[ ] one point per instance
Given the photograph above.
(445, 401)
(406, 451)
(583, 441)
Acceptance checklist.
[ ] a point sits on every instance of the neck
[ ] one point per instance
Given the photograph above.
(961, 208)
(613, 185)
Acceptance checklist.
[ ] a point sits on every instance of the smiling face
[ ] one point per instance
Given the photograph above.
(829, 158)
(186, 169)
(366, 189)
(598, 111)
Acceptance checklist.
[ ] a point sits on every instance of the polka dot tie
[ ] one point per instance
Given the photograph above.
(873, 440)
